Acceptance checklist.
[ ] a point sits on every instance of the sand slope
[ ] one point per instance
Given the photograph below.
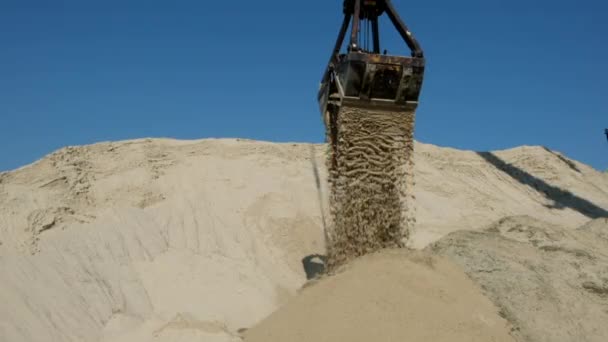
(470, 190)
(115, 240)
(388, 296)
(549, 281)
(164, 240)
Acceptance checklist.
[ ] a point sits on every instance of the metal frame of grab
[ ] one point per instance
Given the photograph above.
(364, 77)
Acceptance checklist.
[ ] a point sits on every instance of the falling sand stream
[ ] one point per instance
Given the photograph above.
(371, 180)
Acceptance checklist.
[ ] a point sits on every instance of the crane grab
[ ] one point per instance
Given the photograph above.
(368, 101)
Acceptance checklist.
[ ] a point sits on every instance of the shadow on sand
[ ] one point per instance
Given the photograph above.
(317, 175)
(561, 198)
(565, 160)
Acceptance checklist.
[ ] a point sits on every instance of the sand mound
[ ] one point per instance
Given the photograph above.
(371, 181)
(550, 282)
(164, 240)
(389, 296)
(111, 242)
(458, 190)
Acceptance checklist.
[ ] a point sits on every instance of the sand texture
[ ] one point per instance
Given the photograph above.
(394, 295)
(550, 282)
(165, 240)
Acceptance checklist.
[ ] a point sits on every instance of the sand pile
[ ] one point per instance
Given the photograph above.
(164, 240)
(458, 190)
(389, 296)
(371, 180)
(550, 282)
(125, 241)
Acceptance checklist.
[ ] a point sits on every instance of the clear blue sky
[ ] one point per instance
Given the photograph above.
(500, 73)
